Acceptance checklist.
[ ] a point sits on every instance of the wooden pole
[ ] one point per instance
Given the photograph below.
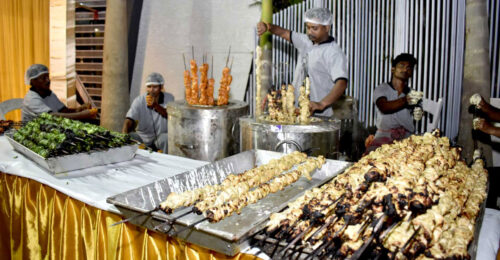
(115, 90)
(476, 76)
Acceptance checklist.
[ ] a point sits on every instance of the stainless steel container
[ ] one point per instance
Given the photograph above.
(65, 165)
(204, 132)
(318, 138)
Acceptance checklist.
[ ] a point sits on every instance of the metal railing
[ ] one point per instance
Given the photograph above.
(372, 32)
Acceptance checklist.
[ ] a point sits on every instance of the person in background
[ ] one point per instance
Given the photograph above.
(492, 114)
(149, 109)
(320, 59)
(40, 99)
(394, 118)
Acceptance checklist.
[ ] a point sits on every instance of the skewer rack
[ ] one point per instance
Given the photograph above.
(232, 234)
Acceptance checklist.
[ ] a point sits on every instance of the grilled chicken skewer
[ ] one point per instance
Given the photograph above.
(175, 200)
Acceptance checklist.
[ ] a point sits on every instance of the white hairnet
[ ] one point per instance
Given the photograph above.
(33, 72)
(318, 15)
(155, 78)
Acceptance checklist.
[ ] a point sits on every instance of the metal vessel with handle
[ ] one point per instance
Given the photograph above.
(316, 138)
(206, 133)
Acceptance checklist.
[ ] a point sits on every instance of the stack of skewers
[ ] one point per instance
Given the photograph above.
(216, 202)
(281, 108)
(204, 94)
(51, 136)
(414, 199)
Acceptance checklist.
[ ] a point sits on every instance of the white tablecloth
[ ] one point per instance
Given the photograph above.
(93, 185)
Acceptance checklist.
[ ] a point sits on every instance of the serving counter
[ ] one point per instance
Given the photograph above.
(44, 216)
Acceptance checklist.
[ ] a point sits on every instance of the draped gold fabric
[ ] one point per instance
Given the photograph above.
(38, 222)
(24, 30)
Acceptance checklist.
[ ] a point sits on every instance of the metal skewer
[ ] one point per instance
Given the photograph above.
(192, 51)
(312, 222)
(296, 239)
(228, 54)
(404, 247)
(188, 227)
(136, 216)
(365, 245)
(212, 68)
(327, 244)
(184, 58)
(172, 221)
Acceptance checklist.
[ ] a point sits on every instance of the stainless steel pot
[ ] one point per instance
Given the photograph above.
(318, 138)
(204, 132)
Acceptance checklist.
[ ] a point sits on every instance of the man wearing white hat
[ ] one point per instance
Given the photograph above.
(320, 58)
(149, 109)
(40, 99)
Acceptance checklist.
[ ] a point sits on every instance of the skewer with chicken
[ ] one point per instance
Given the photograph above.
(187, 198)
(215, 214)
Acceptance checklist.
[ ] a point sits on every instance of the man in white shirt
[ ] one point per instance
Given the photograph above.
(149, 109)
(40, 99)
(394, 118)
(320, 58)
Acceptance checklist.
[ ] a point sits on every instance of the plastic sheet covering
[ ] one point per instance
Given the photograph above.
(94, 185)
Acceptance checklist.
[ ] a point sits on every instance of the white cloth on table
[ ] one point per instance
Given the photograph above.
(93, 185)
(34, 104)
(489, 237)
(325, 63)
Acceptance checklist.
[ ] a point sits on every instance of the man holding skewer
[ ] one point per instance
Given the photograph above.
(320, 59)
(150, 110)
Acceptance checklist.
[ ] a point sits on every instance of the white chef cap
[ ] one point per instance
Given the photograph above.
(155, 78)
(34, 71)
(318, 15)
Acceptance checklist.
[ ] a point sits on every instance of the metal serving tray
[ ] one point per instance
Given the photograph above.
(230, 235)
(67, 163)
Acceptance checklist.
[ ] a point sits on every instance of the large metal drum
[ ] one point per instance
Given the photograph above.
(204, 132)
(318, 138)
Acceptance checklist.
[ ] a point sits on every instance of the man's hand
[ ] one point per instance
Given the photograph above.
(93, 112)
(84, 107)
(150, 101)
(314, 106)
(486, 127)
(481, 125)
(261, 28)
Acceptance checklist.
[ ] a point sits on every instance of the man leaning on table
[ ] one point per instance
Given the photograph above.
(40, 99)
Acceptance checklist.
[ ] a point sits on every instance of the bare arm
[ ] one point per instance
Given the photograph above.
(73, 110)
(337, 91)
(161, 110)
(492, 112)
(86, 114)
(389, 107)
(488, 128)
(128, 126)
(274, 29)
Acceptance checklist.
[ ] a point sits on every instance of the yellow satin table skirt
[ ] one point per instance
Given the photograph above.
(38, 222)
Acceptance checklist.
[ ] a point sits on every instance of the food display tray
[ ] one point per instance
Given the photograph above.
(67, 163)
(230, 235)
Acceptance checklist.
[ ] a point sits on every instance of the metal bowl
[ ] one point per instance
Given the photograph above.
(320, 137)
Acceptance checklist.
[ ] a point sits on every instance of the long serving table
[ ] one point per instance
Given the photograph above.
(67, 216)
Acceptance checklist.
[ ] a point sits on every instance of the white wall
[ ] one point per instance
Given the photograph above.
(168, 28)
